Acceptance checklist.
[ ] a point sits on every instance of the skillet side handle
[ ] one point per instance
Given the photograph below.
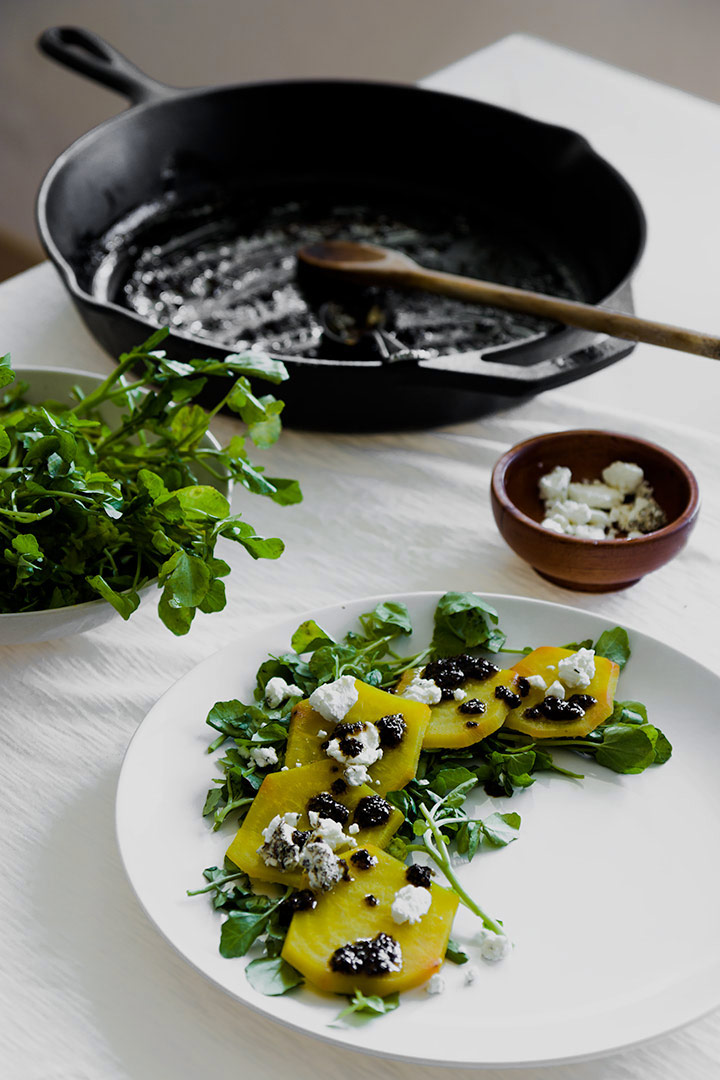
(90, 55)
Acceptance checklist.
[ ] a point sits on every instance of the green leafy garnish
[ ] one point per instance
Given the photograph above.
(465, 621)
(614, 645)
(272, 975)
(91, 508)
(366, 1007)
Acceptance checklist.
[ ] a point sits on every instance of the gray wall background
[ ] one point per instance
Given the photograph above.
(194, 42)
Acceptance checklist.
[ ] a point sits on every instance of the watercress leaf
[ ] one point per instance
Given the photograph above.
(178, 619)
(263, 548)
(627, 748)
(257, 364)
(265, 432)
(214, 599)
(5, 444)
(6, 372)
(628, 712)
(577, 645)
(448, 780)
(388, 618)
(366, 1008)
(150, 481)
(501, 829)
(272, 976)
(201, 501)
(239, 931)
(455, 954)
(188, 424)
(663, 748)
(124, 603)
(186, 579)
(309, 636)
(214, 796)
(463, 621)
(614, 645)
(402, 800)
(287, 492)
(397, 848)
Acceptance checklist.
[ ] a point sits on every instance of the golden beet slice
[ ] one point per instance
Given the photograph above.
(343, 916)
(544, 662)
(449, 727)
(290, 792)
(398, 764)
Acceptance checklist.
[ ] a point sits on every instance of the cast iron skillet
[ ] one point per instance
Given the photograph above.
(272, 140)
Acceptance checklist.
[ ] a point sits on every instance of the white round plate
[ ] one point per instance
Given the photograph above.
(610, 895)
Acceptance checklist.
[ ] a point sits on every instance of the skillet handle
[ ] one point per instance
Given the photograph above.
(90, 55)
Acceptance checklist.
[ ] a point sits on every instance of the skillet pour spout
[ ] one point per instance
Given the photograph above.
(228, 160)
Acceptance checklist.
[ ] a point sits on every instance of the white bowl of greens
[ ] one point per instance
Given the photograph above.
(112, 487)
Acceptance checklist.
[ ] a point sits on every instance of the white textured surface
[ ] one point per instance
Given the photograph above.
(87, 987)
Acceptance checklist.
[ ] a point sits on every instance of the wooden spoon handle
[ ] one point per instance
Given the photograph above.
(570, 312)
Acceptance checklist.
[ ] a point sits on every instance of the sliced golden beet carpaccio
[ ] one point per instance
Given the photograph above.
(398, 764)
(342, 916)
(449, 727)
(544, 661)
(290, 792)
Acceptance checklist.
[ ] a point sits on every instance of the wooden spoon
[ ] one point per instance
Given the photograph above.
(372, 264)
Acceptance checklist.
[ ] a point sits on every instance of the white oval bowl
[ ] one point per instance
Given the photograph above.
(24, 627)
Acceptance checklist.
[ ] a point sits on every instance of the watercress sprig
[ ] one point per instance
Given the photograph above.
(96, 503)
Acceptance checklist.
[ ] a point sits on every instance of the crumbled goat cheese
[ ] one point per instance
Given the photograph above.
(554, 485)
(436, 984)
(589, 532)
(536, 682)
(471, 974)
(574, 513)
(424, 690)
(355, 775)
(410, 904)
(264, 755)
(322, 734)
(354, 829)
(597, 496)
(552, 526)
(322, 865)
(329, 831)
(622, 502)
(280, 848)
(459, 694)
(369, 753)
(277, 691)
(577, 670)
(493, 947)
(334, 700)
(626, 476)
(555, 689)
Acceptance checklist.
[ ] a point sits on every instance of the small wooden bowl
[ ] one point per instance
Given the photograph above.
(590, 565)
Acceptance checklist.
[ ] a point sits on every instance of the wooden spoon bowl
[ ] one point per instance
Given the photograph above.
(590, 565)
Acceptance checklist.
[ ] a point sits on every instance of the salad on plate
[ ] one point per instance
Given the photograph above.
(348, 777)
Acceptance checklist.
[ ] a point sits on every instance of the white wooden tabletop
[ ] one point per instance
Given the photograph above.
(88, 988)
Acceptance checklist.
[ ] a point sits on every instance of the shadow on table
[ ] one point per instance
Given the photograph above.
(149, 1011)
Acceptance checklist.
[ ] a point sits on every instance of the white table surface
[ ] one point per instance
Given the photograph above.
(88, 988)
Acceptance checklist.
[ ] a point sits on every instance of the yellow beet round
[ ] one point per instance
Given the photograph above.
(290, 792)
(397, 766)
(342, 916)
(448, 727)
(544, 661)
